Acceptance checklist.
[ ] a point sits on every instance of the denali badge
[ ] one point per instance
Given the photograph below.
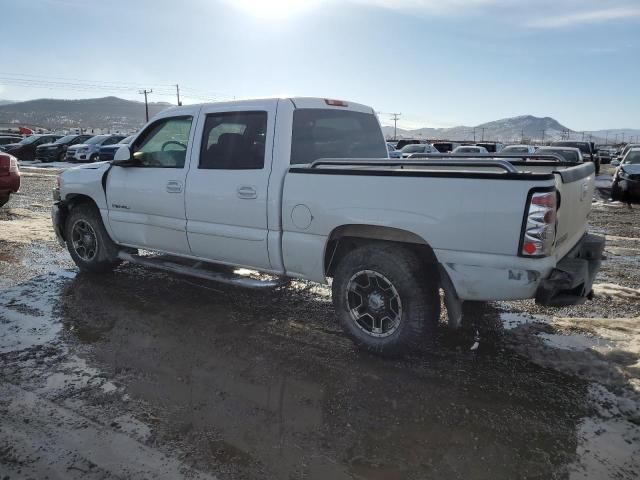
(123, 207)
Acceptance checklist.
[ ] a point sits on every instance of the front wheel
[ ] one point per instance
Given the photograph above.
(385, 302)
(88, 242)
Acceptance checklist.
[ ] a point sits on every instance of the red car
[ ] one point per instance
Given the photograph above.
(9, 177)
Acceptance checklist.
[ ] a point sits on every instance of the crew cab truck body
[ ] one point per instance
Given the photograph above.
(303, 188)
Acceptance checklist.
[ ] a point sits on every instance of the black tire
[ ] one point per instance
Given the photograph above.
(93, 158)
(3, 200)
(97, 255)
(417, 293)
(616, 191)
(62, 156)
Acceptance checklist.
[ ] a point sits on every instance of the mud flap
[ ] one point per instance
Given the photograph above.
(451, 299)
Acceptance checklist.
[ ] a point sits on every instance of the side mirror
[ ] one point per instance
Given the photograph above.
(122, 157)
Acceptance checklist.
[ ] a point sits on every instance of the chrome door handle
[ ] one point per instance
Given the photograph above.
(247, 192)
(174, 186)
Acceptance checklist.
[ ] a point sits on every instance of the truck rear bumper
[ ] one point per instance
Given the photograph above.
(570, 282)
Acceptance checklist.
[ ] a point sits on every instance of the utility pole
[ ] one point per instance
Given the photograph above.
(178, 94)
(395, 117)
(606, 138)
(543, 137)
(522, 136)
(146, 103)
(483, 134)
(474, 135)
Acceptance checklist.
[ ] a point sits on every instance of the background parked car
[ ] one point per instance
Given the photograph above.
(9, 177)
(88, 151)
(469, 149)
(568, 154)
(491, 147)
(106, 153)
(518, 149)
(25, 149)
(625, 150)
(606, 153)
(445, 147)
(585, 148)
(50, 152)
(402, 143)
(626, 179)
(409, 150)
(8, 139)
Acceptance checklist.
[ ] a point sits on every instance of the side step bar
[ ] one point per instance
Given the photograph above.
(170, 264)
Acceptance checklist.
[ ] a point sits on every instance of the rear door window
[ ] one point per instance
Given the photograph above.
(234, 141)
(324, 133)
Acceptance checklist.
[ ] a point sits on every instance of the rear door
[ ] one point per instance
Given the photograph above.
(226, 197)
(146, 201)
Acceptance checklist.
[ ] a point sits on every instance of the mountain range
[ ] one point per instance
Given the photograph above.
(107, 112)
(525, 128)
(117, 113)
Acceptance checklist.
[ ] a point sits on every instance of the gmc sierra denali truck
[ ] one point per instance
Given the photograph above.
(302, 188)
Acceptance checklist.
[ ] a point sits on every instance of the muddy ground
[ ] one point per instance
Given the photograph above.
(139, 374)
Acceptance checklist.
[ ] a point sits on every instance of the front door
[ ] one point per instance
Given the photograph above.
(146, 201)
(226, 199)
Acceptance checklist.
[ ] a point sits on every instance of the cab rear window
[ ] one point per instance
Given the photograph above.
(324, 133)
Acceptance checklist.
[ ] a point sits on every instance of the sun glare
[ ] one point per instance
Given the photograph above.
(273, 9)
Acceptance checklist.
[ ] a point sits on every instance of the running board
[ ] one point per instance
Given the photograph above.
(199, 270)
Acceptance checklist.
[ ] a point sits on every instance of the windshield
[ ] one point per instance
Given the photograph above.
(515, 150)
(29, 140)
(467, 150)
(633, 157)
(567, 155)
(413, 149)
(127, 140)
(66, 139)
(583, 146)
(96, 139)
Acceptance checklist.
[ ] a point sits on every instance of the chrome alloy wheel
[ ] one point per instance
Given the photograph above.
(374, 303)
(84, 240)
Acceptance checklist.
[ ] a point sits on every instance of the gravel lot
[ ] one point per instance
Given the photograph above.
(140, 374)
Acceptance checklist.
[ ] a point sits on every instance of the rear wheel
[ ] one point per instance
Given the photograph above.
(88, 241)
(384, 300)
(3, 200)
(93, 158)
(61, 157)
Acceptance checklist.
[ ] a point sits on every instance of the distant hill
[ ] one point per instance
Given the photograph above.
(513, 129)
(5, 102)
(107, 112)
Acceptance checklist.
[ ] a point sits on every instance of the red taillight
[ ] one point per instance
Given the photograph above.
(336, 103)
(5, 164)
(540, 228)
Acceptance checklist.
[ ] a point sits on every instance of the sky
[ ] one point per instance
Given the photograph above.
(439, 63)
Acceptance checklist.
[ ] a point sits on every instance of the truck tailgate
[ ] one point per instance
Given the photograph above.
(575, 186)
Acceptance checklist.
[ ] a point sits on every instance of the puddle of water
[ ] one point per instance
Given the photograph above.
(26, 316)
(511, 320)
(74, 373)
(576, 342)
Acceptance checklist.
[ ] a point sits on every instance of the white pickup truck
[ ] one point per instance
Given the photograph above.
(303, 188)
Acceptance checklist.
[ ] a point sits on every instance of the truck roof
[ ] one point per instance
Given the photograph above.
(298, 102)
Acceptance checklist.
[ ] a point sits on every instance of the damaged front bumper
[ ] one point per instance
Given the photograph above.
(571, 281)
